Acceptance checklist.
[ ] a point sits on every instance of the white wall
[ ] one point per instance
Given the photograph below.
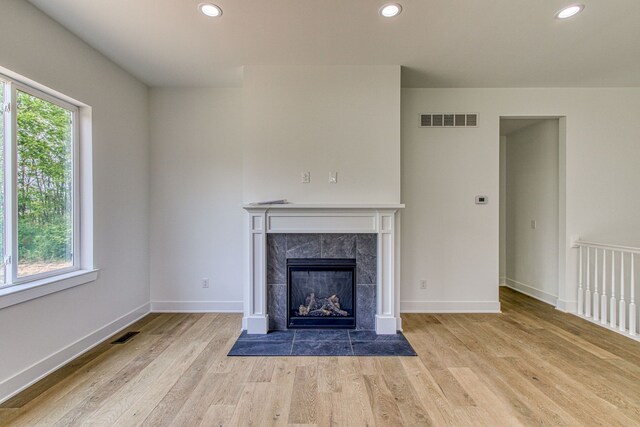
(452, 242)
(210, 148)
(37, 335)
(322, 120)
(447, 239)
(196, 199)
(532, 195)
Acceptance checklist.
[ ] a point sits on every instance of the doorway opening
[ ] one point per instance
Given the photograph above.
(532, 206)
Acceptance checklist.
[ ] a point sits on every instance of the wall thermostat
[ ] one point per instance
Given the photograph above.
(482, 200)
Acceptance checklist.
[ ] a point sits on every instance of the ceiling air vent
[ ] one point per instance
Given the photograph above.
(449, 120)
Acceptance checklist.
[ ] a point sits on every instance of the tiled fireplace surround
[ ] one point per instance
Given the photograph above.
(364, 232)
(362, 247)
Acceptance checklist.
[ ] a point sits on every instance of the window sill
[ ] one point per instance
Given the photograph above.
(17, 294)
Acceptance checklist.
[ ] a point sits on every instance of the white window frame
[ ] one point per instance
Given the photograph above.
(16, 290)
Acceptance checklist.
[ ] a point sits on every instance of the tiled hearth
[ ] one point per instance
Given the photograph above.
(361, 247)
(321, 343)
(366, 233)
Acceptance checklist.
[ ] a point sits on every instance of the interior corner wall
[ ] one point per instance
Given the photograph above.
(502, 271)
(453, 243)
(532, 195)
(196, 199)
(322, 119)
(42, 333)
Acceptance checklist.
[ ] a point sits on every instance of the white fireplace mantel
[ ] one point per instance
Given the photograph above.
(380, 219)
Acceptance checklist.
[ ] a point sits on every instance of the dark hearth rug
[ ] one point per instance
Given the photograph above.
(321, 342)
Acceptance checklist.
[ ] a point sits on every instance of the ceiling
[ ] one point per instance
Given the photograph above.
(439, 43)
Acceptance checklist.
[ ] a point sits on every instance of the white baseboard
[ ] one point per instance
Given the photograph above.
(450, 307)
(34, 373)
(502, 281)
(567, 306)
(196, 306)
(256, 324)
(531, 291)
(386, 325)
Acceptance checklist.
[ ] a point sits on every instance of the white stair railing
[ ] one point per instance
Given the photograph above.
(596, 259)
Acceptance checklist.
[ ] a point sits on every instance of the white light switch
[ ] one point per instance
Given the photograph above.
(305, 177)
(333, 178)
(533, 224)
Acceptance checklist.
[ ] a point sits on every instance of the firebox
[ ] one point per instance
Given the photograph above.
(321, 293)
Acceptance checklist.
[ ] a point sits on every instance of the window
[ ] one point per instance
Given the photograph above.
(39, 206)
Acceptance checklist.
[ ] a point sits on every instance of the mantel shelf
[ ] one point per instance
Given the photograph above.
(325, 206)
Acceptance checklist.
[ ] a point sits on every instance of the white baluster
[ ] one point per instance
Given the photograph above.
(612, 303)
(632, 304)
(587, 299)
(603, 301)
(622, 323)
(596, 298)
(580, 290)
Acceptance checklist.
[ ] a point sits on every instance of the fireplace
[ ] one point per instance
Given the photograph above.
(321, 293)
(265, 297)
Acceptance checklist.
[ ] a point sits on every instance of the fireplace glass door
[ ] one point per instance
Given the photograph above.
(321, 293)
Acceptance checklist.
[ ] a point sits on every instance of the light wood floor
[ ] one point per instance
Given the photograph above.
(531, 365)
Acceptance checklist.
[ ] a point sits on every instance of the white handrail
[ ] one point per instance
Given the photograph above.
(583, 243)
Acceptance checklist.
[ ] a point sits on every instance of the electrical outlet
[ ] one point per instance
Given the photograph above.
(205, 282)
(305, 177)
(333, 178)
(423, 284)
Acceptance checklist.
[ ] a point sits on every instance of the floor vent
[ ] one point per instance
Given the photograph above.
(448, 120)
(126, 337)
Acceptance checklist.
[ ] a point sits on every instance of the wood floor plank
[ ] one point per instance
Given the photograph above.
(329, 377)
(215, 389)
(67, 394)
(251, 407)
(195, 350)
(354, 393)
(411, 409)
(529, 365)
(437, 357)
(139, 396)
(263, 370)
(304, 396)
(218, 415)
(494, 406)
(165, 410)
(429, 392)
(383, 403)
(9, 415)
(81, 362)
(98, 398)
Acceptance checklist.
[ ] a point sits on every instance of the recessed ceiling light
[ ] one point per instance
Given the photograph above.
(390, 10)
(210, 9)
(569, 11)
